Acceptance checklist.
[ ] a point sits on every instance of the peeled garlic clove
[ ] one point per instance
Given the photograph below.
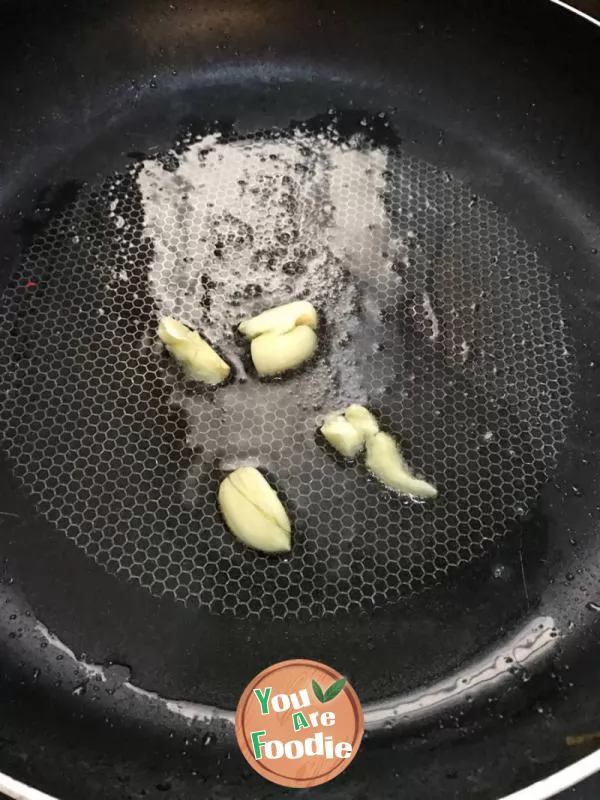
(342, 435)
(196, 356)
(273, 354)
(250, 482)
(385, 461)
(362, 420)
(347, 432)
(253, 512)
(280, 319)
(171, 331)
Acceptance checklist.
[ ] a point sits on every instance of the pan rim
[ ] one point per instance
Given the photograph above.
(546, 788)
(578, 11)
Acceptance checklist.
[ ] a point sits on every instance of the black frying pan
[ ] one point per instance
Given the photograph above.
(427, 174)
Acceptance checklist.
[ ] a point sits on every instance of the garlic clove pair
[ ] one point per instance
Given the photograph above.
(280, 319)
(386, 463)
(196, 356)
(273, 354)
(282, 338)
(342, 435)
(253, 512)
(347, 432)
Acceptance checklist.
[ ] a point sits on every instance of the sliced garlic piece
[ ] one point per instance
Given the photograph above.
(362, 419)
(196, 356)
(340, 434)
(385, 461)
(253, 512)
(280, 319)
(273, 353)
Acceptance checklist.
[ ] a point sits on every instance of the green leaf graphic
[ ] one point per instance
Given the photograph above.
(318, 692)
(334, 690)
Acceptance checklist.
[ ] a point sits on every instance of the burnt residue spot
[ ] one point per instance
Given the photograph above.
(169, 162)
(236, 298)
(267, 259)
(293, 268)
(239, 233)
(208, 286)
(286, 237)
(253, 290)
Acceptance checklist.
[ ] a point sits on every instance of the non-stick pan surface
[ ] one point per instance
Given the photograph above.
(424, 176)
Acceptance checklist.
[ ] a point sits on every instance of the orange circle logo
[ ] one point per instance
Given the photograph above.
(299, 723)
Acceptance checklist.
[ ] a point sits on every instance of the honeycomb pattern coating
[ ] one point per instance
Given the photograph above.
(435, 313)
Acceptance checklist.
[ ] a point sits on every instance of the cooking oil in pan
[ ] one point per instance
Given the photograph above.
(434, 313)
